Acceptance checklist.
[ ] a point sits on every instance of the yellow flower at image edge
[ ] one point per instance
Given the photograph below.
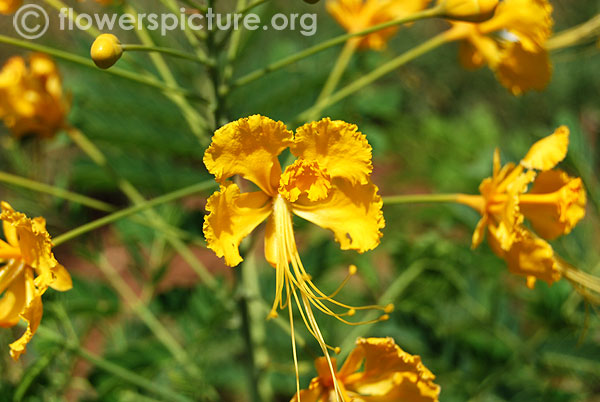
(27, 269)
(554, 204)
(31, 96)
(376, 370)
(512, 43)
(329, 184)
(358, 15)
(9, 6)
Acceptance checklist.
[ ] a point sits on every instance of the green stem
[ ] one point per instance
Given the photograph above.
(419, 198)
(375, 75)
(89, 202)
(58, 5)
(335, 75)
(108, 219)
(196, 122)
(393, 292)
(157, 328)
(83, 61)
(56, 192)
(112, 368)
(250, 6)
(136, 198)
(430, 13)
(171, 52)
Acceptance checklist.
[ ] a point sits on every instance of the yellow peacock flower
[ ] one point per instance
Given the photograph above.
(512, 43)
(31, 97)
(358, 15)
(553, 206)
(27, 269)
(329, 184)
(376, 370)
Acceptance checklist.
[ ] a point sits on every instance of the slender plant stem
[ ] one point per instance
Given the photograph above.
(83, 61)
(124, 213)
(56, 192)
(252, 370)
(393, 292)
(252, 5)
(232, 52)
(374, 75)
(588, 31)
(89, 202)
(419, 198)
(59, 5)
(144, 313)
(137, 199)
(430, 13)
(196, 122)
(336, 74)
(254, 326)
(168, 51)
(112, 368)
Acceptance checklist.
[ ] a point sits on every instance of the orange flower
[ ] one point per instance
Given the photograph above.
(376, 370)
(554, 205)
(512, 43)
(9, 6)
(27, 269)
(31, 97)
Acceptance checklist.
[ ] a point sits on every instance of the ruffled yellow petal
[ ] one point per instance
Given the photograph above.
(555, 203)
(530, 20)
(549, 151)
(249, 147)
(520, 70)
(469, 57)
(304, 177)
(231, 217)
(479, 232)
(337, 146)
(12, 302)
(62, 280)
(34, 242)
(392, 373)
(32, 314)
(352, 212)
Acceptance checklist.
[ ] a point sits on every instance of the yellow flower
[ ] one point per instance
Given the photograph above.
(553, 206)
(27, 269)
(376, 370)
(512, 43)
(329, 184)
(31, 97)
(358, 15)
(9, 6)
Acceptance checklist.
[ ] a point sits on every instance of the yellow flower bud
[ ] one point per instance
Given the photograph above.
(468, 10)
(106, 50)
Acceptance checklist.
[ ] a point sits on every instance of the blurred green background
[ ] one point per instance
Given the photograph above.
(433, 127)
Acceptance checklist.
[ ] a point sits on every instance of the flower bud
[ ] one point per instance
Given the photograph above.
(468, 10)
(106, 50)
